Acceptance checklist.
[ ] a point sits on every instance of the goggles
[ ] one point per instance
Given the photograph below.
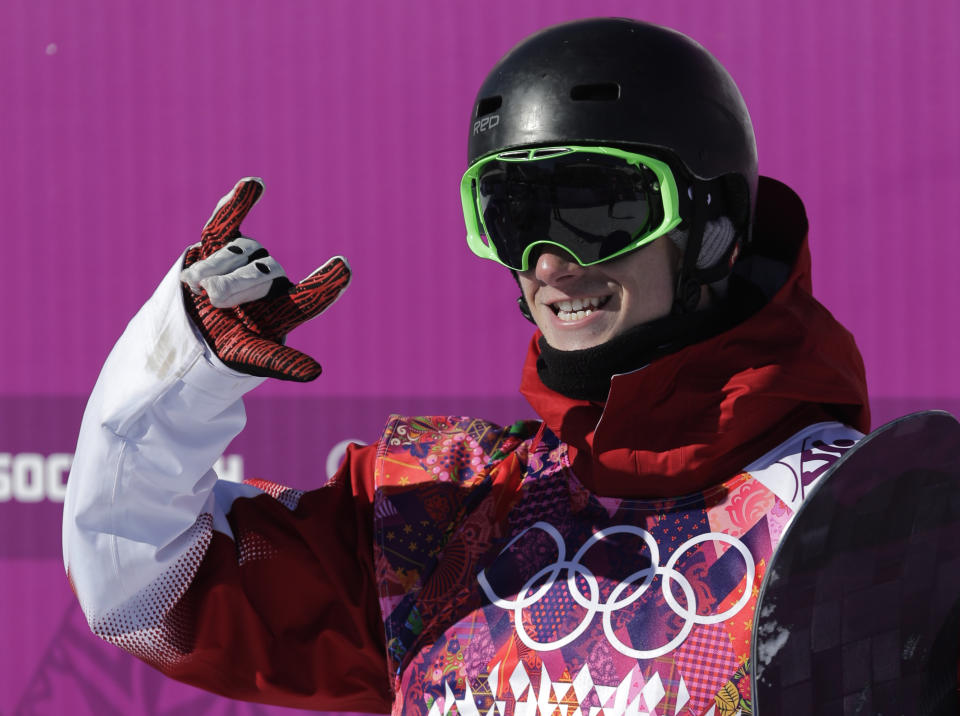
(597, 203)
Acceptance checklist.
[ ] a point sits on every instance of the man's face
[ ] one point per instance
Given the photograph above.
(583, 306)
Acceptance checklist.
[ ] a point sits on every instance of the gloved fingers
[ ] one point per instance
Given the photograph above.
(247, 283)
(224, 223)
(319, 290)
(258, 356)
(299, 303)
(237, 253)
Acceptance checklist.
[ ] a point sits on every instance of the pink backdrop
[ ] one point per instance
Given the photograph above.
(123, 123)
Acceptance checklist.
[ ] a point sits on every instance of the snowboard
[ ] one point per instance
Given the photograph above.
(859, 610)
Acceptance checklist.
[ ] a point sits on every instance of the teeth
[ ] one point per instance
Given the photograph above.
(577, 316)
(577, 309)
(578, 304)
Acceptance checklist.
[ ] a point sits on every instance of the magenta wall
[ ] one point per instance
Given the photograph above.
(123, 123)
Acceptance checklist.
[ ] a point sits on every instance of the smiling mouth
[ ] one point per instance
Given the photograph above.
(578, 308)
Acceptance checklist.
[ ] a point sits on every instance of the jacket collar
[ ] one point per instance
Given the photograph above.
(696, 417)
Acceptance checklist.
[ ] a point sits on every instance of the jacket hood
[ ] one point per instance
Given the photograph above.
(697, 417)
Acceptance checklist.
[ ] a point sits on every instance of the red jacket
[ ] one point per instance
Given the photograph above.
(286, 611)
(704, 412)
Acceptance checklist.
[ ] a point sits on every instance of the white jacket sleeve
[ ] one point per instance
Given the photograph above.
(216, 583)
(140, 497)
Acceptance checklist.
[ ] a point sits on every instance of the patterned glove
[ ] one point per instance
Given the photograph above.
(241, 300)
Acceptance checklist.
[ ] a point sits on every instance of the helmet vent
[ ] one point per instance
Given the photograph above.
(599, 92)
(488, 105)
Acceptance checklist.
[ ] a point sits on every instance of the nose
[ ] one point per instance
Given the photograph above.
(554, 265)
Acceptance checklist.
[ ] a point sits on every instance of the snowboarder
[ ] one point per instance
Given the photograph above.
(690, 388)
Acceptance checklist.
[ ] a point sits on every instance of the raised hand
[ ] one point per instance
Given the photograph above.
(241, 300)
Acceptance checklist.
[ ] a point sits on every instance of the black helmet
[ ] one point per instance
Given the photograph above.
(622, 82)
(617, 81)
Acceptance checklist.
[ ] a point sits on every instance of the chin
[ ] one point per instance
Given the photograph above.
(573, 343)
(597, 329)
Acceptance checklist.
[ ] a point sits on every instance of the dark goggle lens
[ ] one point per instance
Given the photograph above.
(593, 205)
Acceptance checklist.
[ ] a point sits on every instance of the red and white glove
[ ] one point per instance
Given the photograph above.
(241, 300)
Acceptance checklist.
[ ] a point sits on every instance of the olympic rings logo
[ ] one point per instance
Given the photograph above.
(616, 601)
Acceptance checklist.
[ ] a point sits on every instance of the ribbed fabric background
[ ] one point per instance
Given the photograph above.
(125, 122)
(122, 123)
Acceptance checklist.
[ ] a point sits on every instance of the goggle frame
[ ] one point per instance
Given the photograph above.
(473, 215)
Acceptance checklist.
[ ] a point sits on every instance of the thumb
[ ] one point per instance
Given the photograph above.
(290, 364)
(258, 356)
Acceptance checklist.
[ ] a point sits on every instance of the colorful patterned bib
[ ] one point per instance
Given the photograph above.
(508, 588)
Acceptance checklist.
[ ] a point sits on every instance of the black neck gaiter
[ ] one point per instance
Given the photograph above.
(585, 374)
